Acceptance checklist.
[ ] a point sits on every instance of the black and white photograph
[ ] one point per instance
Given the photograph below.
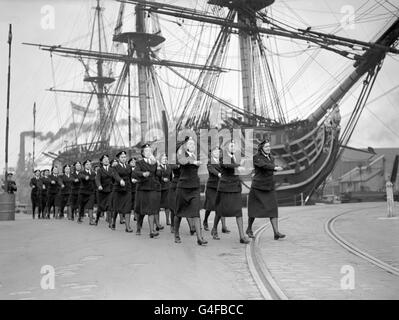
(197, 151)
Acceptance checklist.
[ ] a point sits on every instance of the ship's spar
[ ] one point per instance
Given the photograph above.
(308, 154)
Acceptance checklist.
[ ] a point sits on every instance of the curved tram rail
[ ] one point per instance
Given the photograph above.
(329, 228)
(261, 275)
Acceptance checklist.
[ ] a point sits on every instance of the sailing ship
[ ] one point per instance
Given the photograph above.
(307, 148)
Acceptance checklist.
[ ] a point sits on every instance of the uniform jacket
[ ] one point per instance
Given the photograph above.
(36, 185)
(152, 181)
(166, 172)
(45, 185)
(213, 180)
(264, 170)
(230, 181)
(87, 182)
(122, 173)
(105, 179)
(134, 176)
(65, 181)
(188, 171)
(53, 186)
(176, 175)
(75, 186)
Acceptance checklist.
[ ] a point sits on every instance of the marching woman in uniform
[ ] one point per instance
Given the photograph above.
(36, 185)
(65, 183)
(148, 194)
(75, 186)
(134, 179)
(165, 177)
(172, 194)
(215, 172)
(86, 191)
(262, 202)
(43, 196)
(52, 192)
(46, 187)
(122, 173)
(188, 190)
(228, 198)
(104, 184)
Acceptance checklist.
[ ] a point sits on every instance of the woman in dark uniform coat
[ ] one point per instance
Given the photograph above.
(104, 184)
(215, 172)
(228, 198)
(188, 189)
(65, 183)
(45, 188)
(262, 202)
(52, 192)
(148, 194)
(175, 168)
(165, 178)
(75, 186)
(122, 173)
(86, 192)
(134, 179)
(36, 185)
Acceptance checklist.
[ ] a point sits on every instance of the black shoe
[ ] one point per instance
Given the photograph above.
(279, 236)
(80, 220)
(159, 228)
(122, 221)
(214, 234)
(138, 232)
(245, 240)
(154, 234)
(250, 233)
(201, 242)
(192, 232)
(225, 230)
(206, 227)
(129, 230)
(92, 223)
(177, 239)
(112, 227)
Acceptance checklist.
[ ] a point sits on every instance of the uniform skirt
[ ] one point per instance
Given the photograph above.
(188, 202)
(147, 202)
(51, 197)
(210, 199)
(164, 199)
(262, 204)
(172, 199)
(123, 201)
(74, 201)
(35, 198)
(228, 204)
(133, 199)
(86, 201)
(104, 201)
(62, 200)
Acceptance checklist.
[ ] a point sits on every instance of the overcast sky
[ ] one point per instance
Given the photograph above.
(33, 72)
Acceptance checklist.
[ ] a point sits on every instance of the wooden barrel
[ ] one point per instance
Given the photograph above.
(7, 207)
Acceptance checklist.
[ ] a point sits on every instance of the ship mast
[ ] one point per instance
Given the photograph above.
(99, 81)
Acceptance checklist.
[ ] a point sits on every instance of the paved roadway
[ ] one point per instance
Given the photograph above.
(307, 264)
(97, 263)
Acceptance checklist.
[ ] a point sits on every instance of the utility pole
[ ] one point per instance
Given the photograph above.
(34, 134)
(8, 105)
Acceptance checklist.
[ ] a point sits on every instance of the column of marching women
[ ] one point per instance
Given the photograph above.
(143, 186)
